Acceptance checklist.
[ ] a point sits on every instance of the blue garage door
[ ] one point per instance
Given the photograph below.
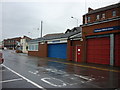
(57, 51)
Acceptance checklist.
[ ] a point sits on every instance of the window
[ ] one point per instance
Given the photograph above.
(103, 15)
(33, 47)
(113, 13)
(98, 17)
(36, 47)
(88, 19)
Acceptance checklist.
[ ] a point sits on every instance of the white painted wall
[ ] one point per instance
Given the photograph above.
(24, 45)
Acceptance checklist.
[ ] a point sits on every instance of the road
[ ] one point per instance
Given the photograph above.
(22, 71)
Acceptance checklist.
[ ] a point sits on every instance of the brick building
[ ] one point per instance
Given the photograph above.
(52, 45)
(101, 35)
(11, 43)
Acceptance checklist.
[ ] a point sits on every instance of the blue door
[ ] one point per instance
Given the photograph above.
(57, 51)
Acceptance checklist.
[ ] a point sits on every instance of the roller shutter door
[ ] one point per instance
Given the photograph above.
(57, 51)
(98, 50)
(117, 50)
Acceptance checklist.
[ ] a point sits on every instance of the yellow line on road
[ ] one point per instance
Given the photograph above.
(104, 69)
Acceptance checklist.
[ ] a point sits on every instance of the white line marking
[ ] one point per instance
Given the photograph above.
(11, 80)
(82, 77)
(45, 80)
(25, 78)
(33, 72)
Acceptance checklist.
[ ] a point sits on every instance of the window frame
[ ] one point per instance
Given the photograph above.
(114, 13)
(88, 19)
(103, 15)
(33, 47)
(97, 17)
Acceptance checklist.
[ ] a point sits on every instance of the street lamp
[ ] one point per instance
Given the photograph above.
(41, 25)
(75, 19)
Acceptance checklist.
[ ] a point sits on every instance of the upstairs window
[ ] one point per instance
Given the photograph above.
(88, 19)
(103, 15)
(113, 13)
(98, 17)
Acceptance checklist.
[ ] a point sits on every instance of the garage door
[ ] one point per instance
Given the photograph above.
(117, 50)
(57, 51)
(98, 50)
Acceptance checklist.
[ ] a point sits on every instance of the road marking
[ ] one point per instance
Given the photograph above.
(85, 78)
(11, 80)
(46, 81)
(25, 78)
(86, 66)
(36, 72)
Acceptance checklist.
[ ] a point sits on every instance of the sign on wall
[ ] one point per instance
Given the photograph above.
(107, 29)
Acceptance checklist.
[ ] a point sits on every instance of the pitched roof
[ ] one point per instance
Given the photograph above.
(56, 36)
(47, 35)
(104, 8)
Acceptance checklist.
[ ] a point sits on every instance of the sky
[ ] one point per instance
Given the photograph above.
(23, 17)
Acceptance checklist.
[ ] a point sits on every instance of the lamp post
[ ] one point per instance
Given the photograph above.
(75, 19)
(41, 26)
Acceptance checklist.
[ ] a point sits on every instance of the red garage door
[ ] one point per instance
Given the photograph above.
(117, 50)
(98, 50)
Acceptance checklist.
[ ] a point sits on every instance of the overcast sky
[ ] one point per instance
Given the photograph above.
(18, 18)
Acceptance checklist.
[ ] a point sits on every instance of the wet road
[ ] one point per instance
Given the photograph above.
(49, 74)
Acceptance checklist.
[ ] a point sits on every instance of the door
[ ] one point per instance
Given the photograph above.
(98, 50)
(57, 51)
(117, 50)
(78, 53)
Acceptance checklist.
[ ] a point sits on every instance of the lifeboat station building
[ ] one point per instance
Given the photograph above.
(101, 35)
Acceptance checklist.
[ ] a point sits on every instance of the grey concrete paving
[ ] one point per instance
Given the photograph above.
(50, 74)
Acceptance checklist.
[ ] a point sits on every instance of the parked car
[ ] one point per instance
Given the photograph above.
(1, 58)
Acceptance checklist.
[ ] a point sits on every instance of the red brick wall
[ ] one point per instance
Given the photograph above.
(89, 30)
(33, 53)
(108, 15)
(68, 50)
(72, 49)
(42, 51)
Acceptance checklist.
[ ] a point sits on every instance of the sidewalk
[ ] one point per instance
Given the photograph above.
(85, 65)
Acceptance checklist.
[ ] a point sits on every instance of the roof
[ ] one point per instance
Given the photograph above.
(56, 36)
(79, 35)
(104, 8)
(53, 34)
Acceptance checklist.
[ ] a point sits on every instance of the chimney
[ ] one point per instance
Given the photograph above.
(90, 9)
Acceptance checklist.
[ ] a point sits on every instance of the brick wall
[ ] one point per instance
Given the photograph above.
(108, 15)
(72, 49)
(89, 30)
(42, 51)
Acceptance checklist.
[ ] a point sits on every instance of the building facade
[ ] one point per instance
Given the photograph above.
(12, 43)
(101, 35)
(53, 46)
(24, 44)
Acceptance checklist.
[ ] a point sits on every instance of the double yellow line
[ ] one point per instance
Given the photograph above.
(86, 66)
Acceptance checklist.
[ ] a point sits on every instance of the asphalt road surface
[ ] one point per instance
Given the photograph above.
(22, 71)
